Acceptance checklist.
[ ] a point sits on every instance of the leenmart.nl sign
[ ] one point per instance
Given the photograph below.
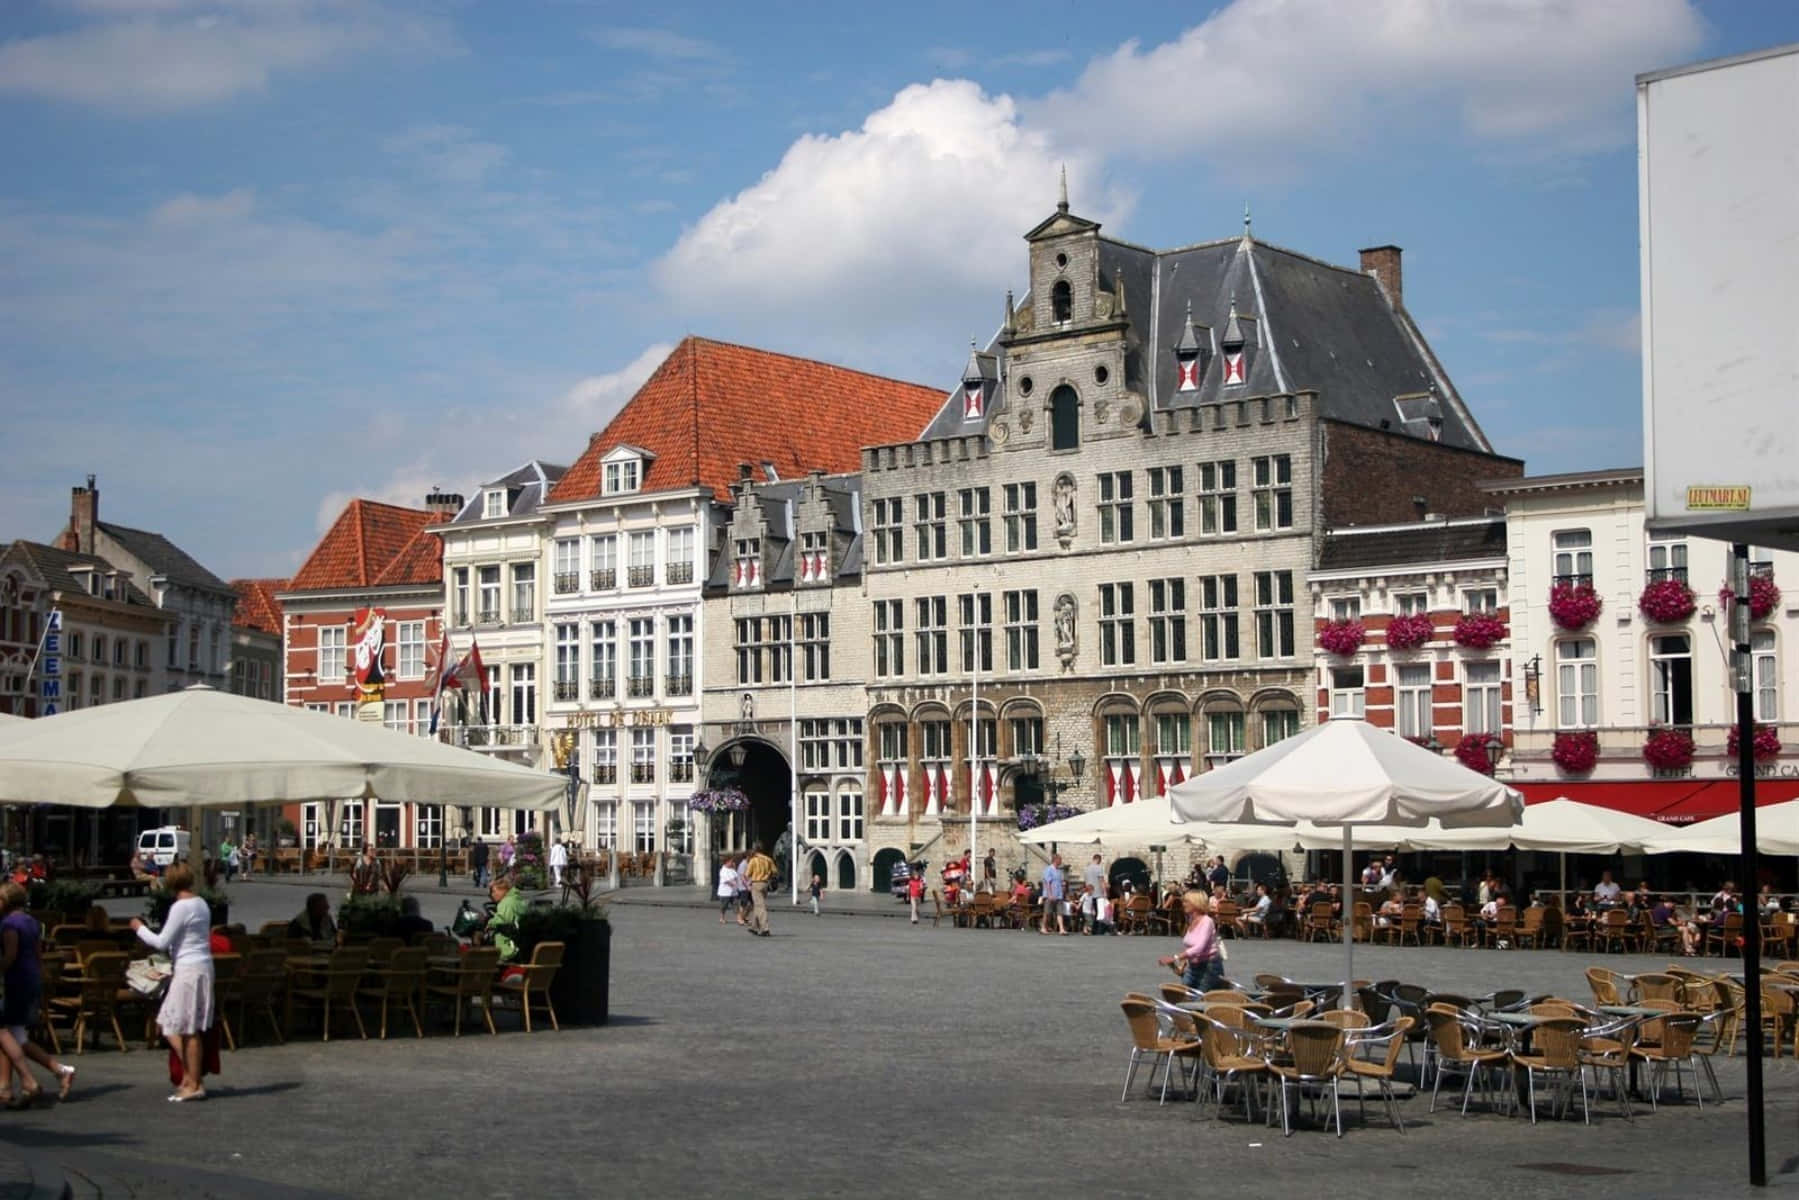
(1731, 498)
(49, 688)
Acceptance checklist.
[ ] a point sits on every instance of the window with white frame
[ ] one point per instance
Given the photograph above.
(1117, 521)
(1168, 620)
(605, 757)
(929, 526)
(1412, 700)
(621, 476)
(1480, 600)
(643, 755)
(641, 648)
(421, 719)
(349, 823)
(488, 586)
(1481, 698)
(1274, 614)
(1411, 604)
(1224, 736)
(493, 504)
(780, 648)
(974, 520)
(818, 815)
(566, 555)
(332, 641)
(397, 715)
(888, 529)
(680, 554)
(644, 825)
(524, 693)
(1021, 630)
(1117, 624)
(1217, 497)
(975, 609)
(1027, 736)
(1346, 692)
(1671, 679)
(1174, 734)
(1123, 736)
(568, 661)
(680, 753)
(894, 739)
(680, 655)
(428, 826)
(1577, 683)
(524, 593)
(1167, 503)
(602, 642)
(1346, 608)
(605, 824)
(1218, 632)
(931, 634)
(643, 560)
(1271, 482)
(849, 816)
(1765, 671)
(815, 646)
(1279, 724)
(604, 548)
(890, 638)
(935, 744)
(410, 649)
(1020, 514)
(1573, 555)
(1667, 555)
(459, 596)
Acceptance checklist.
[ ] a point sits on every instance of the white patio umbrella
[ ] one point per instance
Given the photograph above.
(1776, 832)
(1148, 820)
(1342, 774)
(205, 748)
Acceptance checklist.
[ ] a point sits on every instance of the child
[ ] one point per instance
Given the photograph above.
(818, 886)
(915, 893)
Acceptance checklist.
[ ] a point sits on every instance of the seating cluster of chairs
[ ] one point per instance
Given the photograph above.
(996, 910)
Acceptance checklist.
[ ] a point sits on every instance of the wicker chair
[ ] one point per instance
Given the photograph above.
(398, 983)
(1605, 986)
(1654, 985)
(1148, 1041)
(1456, 930)
(1179, 993)
(1501, 932)
(260, 988)
(472, 981)
(227, 991)
(96, 1007)
(532, 988)
(1608, 1048)
(1676, 1046)
(1230, 1055)
(1386, 1041)
(1317, 1057)
(332, 988)
(1555, 1052)
(1457, 1051)
(1321, 926)
(1530, 929)
(1614, 932)
(1724, 935)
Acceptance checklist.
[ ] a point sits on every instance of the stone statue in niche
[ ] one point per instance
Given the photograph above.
(1065, 644)
(1064, 500)
(746, 707)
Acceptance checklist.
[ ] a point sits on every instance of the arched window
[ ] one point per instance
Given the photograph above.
(1064, 419)
(1061, 302)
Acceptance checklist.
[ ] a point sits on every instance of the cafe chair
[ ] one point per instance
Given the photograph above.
(1555, 1052)
(1315, 1056)
(1372, 1053)
(1230, 1055)
(532, 988)
(470, 982)
(1456, 1050)
(398, 983)
(1148, 1041)
(334, 987)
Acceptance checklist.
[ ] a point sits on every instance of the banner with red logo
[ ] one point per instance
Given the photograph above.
(368, 628)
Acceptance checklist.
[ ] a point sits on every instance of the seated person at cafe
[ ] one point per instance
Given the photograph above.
(141, 871)
(1768, 902)
(412, 925)
(1264, 908)
(1606, 892)
(1434, 889)
(314, 924)
(502, 926)
(1432, 910)
(1021, 890)
(1391, 909)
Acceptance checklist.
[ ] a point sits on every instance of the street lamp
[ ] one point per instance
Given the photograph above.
(1043, 770)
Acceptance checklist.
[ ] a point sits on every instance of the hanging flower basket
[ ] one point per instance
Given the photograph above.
(1668, 749)
(1343, 638)
(1574, 606)
(1409, 632)
(1576, 751)
(1033, 815)
(1667, 601)
(1764, 596)
(1478, 752)
(719, 800)
(1479, 631)
(1764, 746)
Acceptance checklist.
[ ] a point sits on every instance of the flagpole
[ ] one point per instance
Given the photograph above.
(793, 733)
(974, 737)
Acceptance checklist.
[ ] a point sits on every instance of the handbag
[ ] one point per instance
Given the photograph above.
(149, 977)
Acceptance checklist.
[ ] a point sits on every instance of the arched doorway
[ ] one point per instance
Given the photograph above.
(1133, 869)
(816, 865)
(846, 872)
(764, 778)
(881, 876)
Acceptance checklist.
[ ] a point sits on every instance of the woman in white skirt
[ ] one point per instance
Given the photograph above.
(187, 1009)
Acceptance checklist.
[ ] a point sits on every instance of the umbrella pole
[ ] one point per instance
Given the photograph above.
(1348, 1000)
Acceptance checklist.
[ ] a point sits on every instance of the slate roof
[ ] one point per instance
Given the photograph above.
(712, 405)
(1426, 543)
(843, 495)
(1307, 325)
(52, 564)
(163, 557)
(367, 539)
(257, 607)
(526, 488)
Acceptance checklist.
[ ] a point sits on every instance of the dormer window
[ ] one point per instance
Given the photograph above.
(746, 572)
(815, 558)
(493, 503)
(622, 476)
(1061, 302)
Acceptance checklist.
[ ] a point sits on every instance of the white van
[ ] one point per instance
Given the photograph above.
(161, 847)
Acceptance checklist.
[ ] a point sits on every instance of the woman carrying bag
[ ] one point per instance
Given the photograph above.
(1200, 964)
(187, 1010)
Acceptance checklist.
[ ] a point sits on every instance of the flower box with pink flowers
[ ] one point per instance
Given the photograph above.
(1409, 632)
(1668, 749)
(1343, 638)
(1667, 601)
(1479, 631)
(1574, 606)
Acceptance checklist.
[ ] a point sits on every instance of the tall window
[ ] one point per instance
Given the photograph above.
(818, 816)
(849, 816)
(605, 757)
(1117, 626)
(1766, 672)
(331, 653)
(567, 564)
(1667, 556)
(640, 645)
(524, 693)
(975, 521)
(1122, 737)
(493, 504)
(605, 562)
(396, 715)
(1272, 482)
(680, 655)
(1064, 419)
(643, 755)
(680, 753)
(1167, 621)
(605, 822)
(459, 595)
(890, 638)
(1413, 701)
(643, 560)
(1577, 683)
(680, 554)
(1481, 698)
(1021, 517)
(1278, 724)
(1274, 614)
(524, 592)
(429, 820)
(568, 661)
(888, 530)
(893, 742)
(1218, 497)
(929, 526)
(495, 693)
(1116, 522)
(409, 650)
(1218, 618)
(931, 634)
(1346, 692)
(1224, 736)
(488, 580)
(602, 684)
(975, 611)
(1167, 503)
(1174, 735)
(1027, 736)
(1021, 630)
(815, 646)
(1061, 302)
(1671, 679)
(780, 648)
(1573, 555)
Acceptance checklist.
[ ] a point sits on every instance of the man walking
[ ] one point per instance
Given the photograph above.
(759, 870)
(477, 861)
(558, 862)
(1054, 891)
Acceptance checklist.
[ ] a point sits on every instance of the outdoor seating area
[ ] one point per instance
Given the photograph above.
(1274, 1047)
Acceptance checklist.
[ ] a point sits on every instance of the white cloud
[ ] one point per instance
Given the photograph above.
(450, 152)
(659, 44)
(593, 401)
(168, 55)
(1275, 78)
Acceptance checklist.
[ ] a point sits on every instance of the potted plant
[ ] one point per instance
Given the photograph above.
(1343, 638)
(1574, 606)
(1576, 751)
(529, 870)
(1033, 815)
(1479, 631)
(286, 836)
(1667, 601)
(71, 898)
(719, 800)
(1763, 747)
(1667, 748)
(1764, 596)
(1410, 632)
(1478, 752)
(368, 915)
(582, 985)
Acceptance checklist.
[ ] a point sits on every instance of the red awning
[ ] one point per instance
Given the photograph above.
(1676, 801)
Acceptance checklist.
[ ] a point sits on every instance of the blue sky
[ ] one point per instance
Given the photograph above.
(258, 256)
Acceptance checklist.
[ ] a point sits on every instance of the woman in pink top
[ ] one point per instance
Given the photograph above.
(1200, 963)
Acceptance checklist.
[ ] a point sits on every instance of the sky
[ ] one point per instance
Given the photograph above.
(260, 256)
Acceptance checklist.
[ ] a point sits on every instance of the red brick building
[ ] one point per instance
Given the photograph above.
(374, 557)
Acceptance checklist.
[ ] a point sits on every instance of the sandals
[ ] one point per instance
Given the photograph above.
(68, 1081)
(25, 1098)
(184, 1097)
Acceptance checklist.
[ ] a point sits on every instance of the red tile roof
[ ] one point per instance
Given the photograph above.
(257, 607)
(712, 405)
(366, 539)
(420, 560)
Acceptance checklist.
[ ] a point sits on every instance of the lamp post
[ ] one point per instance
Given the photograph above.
(1043, 770)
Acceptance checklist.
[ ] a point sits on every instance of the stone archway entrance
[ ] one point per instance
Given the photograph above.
(880, 877)
(764, 778)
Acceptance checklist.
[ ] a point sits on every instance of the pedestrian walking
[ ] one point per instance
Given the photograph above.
(727, 887)
(477, 861)
(228, 859)
(915, 893)
(21, 964)
(558, 862)
(187, 1008)
(759, 870)
(1200, 964)
(508, 850)
(816, 889)
(1055, 887)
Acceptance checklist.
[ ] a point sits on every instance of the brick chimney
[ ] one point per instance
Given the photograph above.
(84, 514)
(443, 505)
(1382, 262)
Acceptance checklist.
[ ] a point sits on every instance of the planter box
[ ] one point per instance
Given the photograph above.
(580, 989)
